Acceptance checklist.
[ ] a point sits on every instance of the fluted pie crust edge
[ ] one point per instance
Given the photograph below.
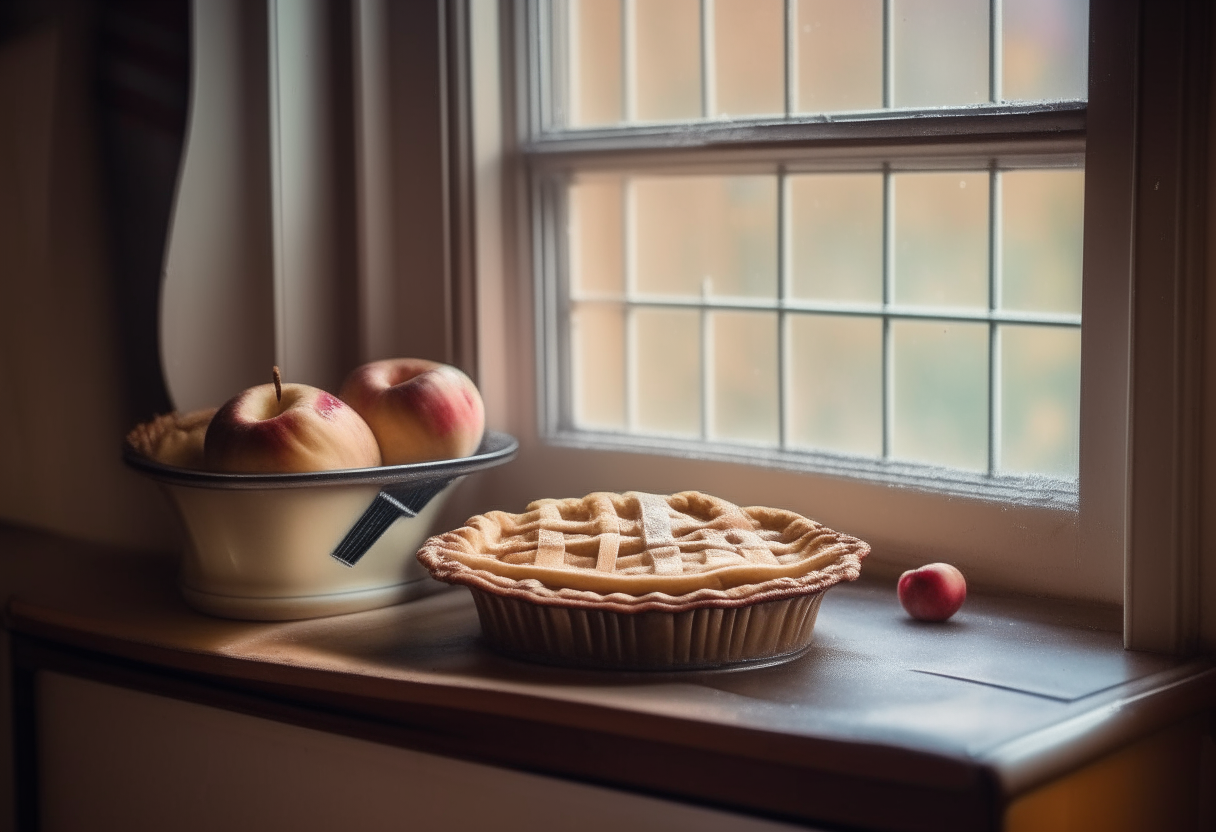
(453, 557)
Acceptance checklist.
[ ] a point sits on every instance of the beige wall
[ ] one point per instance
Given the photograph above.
(61, 422)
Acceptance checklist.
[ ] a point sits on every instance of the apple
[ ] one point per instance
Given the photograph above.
(933, 592)
(419, 410)
(287, 428)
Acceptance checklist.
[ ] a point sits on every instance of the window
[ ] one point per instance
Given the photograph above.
(1132, 535)
(826, 290)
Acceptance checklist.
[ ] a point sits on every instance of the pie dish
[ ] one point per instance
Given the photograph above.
(645, 581)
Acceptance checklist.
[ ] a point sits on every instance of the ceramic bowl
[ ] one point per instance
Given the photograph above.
(286, 546)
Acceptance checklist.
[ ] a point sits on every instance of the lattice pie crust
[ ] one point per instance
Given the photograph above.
(639, 554)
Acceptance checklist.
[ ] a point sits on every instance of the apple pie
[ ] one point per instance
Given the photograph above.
(645, 581)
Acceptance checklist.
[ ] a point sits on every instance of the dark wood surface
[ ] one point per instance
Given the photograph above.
(885, 723)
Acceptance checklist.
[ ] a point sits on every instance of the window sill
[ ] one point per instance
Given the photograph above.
(886, 724)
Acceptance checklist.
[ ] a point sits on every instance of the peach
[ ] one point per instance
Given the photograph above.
(933, 592)
(419, 410)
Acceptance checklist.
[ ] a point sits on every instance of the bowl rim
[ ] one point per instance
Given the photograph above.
(496, 449)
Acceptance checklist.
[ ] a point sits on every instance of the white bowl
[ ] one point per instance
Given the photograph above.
(278, 546)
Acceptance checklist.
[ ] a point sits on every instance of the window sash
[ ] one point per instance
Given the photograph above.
(548, 56)
(557, 373)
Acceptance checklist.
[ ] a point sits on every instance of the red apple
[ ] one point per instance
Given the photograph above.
(419, 410)
(933, 592)
(260, 431)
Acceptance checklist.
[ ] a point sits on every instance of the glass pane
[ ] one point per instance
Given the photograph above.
(749, 57)
(1041, 217)
(597, 264)
(1040, 399)
(940, 389)
(668, 391)
(1045, 49)
(941, 239)
(836, 237)
(941, 52)
(745, 376)
(597, 339)
(668, 48)
(835, 367)
(839, 55)
(596, 75)
(706, 232)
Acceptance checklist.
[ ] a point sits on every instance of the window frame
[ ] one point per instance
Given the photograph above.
(1134, 536)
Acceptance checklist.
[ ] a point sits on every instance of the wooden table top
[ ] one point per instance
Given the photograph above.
(1009, 694)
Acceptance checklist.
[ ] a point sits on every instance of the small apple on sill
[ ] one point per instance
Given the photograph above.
(933, 592)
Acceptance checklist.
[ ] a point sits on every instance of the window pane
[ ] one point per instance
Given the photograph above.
(836, 237)
(597, 236)
(595, 63)
(940, 389)
(941, 52)
(835, 369)
(749, 57)
(1041, 240)
(745, 376)
(668, 48)
(839, 55)
(941, 239)
(597, 341)
(1040, 399)
(1045, 49)
(668, 391)
(706, 232)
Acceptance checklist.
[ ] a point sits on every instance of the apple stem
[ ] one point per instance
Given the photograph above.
(278, 383)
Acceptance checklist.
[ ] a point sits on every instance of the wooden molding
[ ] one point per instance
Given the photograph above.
(1166, 338)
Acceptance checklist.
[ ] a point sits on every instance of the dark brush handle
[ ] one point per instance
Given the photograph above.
(391, 503)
